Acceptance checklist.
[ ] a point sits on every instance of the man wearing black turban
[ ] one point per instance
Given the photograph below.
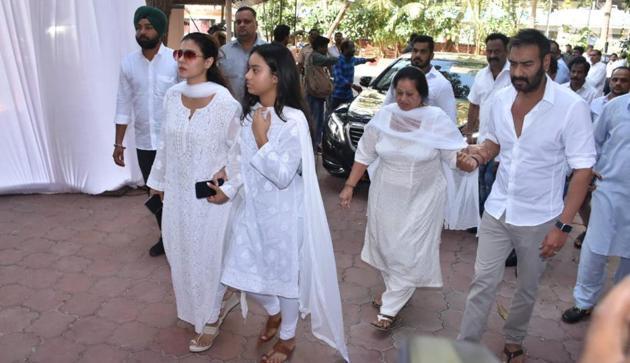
(145, 75)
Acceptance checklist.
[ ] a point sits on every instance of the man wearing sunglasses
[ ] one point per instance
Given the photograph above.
(145, 75)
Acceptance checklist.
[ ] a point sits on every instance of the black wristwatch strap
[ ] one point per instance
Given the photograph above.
(566, 228)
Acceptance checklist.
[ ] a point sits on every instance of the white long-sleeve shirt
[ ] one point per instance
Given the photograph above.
(532, 172)
(141, 89)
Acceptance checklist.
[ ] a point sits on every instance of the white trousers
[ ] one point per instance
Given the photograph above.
(288, 308)
(395, 296)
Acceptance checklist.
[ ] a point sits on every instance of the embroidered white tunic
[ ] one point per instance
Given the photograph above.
(193, 150)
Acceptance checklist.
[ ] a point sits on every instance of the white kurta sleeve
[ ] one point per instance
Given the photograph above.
(123, 99)
(366, 149)
(157, 177)
(449, 157)
(233, 169)
(280, 158)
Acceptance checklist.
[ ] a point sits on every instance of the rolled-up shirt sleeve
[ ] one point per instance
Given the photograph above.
(579, 144)
(124, 99)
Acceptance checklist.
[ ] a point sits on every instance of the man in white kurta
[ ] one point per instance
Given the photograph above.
(490, 79)
(597, 74)
(609, 226)
(440, 89)
(578, 84)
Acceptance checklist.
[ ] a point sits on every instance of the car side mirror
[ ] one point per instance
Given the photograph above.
(365, 81)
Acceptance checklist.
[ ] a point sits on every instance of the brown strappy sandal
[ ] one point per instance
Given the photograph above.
(512, 354)
(271, 328)
(280, 347)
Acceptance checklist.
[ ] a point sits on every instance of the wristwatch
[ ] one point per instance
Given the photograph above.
(566, 228)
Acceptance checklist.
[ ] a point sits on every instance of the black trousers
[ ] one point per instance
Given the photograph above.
(145, 160)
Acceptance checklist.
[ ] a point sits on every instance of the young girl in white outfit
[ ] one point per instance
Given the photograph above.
(280, 252)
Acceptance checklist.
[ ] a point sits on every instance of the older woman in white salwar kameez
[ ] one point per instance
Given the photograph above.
(408, 192)
(202, 123)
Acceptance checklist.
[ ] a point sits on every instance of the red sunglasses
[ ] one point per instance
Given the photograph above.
(187, 54)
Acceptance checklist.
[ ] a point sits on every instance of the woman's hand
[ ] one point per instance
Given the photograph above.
(466, 162)
(218, 198)
(153, 192)
(345, 197)
(260, 126)
(221, 174)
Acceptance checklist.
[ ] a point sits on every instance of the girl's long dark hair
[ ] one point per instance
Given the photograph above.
(289, 91)
(210, 48)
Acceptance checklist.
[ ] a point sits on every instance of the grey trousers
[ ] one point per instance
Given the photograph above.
(496, 239)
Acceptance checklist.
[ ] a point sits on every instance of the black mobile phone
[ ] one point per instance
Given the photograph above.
(154, 204)
(202, 190)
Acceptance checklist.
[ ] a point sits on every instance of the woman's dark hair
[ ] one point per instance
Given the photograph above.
(414, 74)
(210, 48)
(282, 65)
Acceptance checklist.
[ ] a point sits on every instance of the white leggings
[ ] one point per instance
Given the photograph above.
(289, 309)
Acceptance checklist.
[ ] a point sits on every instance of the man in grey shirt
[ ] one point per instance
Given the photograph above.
(235, 54)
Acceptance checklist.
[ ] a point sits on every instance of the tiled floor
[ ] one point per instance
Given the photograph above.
(77, 285)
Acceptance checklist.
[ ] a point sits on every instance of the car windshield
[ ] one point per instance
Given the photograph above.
(461, 74)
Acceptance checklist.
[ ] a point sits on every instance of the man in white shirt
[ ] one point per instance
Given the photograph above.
(335, 49)
(537, 127)
(440, 89)
(619, 86)
(579, 69)
(234, 55)
(597, 74)
(493, 77)
(562, 75)
(145, 75)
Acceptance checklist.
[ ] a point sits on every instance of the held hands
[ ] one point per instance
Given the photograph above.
(553, 242)
(466, 162)
(345, 197)
(260, 125)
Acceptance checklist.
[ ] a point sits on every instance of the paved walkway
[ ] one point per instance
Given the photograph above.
(77, 285)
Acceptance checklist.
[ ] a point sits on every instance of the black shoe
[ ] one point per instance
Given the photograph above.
(575, 314)
(157, 249)
(511, 261)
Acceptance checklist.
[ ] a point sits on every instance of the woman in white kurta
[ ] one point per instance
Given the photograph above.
(200, 128)
(413, 144)
(280, 252)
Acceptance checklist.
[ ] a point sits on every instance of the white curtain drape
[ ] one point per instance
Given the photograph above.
(59, 65)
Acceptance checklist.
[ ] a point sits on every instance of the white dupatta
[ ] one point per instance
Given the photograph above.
(431, 127)
(318, 286)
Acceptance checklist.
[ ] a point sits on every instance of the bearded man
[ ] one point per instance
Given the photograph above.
(538, 128)
(145, 75)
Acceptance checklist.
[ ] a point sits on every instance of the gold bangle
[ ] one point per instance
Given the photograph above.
(350, 185)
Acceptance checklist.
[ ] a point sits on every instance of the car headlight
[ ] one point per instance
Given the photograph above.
(336, 127)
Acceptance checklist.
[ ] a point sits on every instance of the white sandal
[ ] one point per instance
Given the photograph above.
(213, 330)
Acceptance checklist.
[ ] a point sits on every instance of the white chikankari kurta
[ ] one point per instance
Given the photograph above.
(281, 244)
(408, 191)
(193, 230)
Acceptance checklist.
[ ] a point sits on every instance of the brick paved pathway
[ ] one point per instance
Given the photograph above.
(77, 285)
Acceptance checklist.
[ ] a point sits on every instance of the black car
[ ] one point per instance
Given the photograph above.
(344, 127)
